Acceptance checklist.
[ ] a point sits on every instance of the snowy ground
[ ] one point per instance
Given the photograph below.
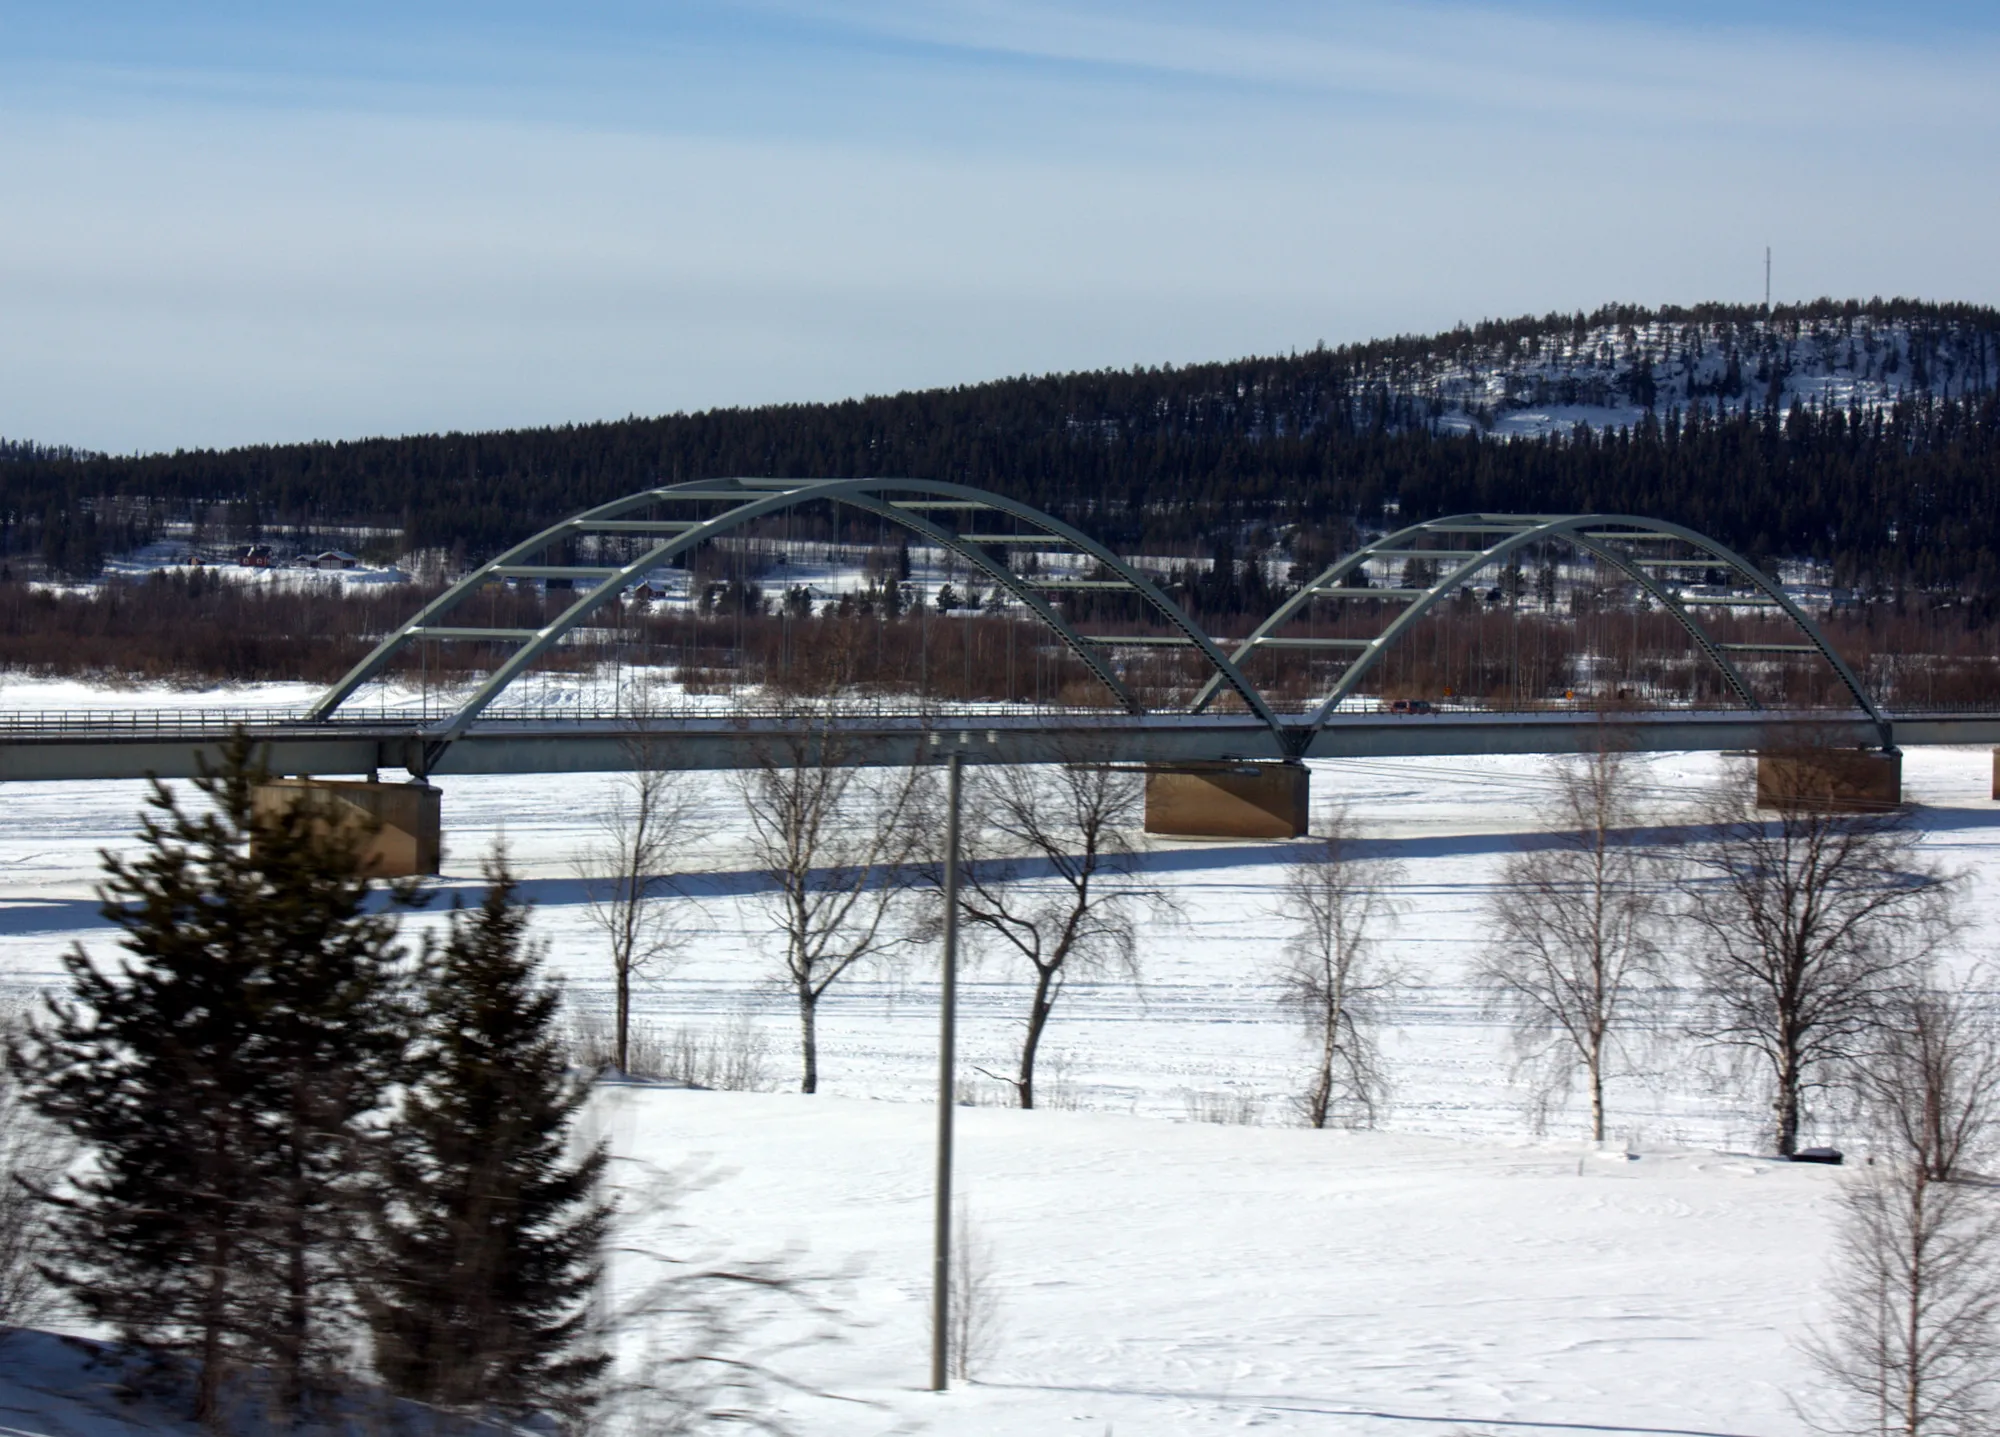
(1453, 1272)
(1178, 1277)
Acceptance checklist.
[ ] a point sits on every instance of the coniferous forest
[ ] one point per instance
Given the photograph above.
(1896, 491)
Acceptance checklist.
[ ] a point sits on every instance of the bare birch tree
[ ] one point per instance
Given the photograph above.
(628, 880)
(1798, 926)
(1573, 948)
(1050, 879)
(1931, 1085)
(832, 840)
(1914, 1341)
(1336, 900)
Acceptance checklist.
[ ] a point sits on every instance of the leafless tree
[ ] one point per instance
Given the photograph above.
(1049, 877)
(1931, 1085)
(1336, 900)
(1798, 926)
(974, 1314)
(33, 1158)
(648, 822)
(1573, 947)
(832, 840)
(1913, 1344)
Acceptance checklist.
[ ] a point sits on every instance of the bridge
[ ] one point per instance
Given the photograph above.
(1220, 717)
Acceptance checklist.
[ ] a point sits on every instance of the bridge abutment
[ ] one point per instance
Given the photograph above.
(400, 825)
(1834, 780)
(1228, 800)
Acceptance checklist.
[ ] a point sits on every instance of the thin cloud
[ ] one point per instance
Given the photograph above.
(1458, 56)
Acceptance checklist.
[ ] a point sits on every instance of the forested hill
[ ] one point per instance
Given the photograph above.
(1864, 433)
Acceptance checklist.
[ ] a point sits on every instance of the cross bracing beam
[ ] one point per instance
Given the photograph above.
(638, 526)
(553, 571)
(731, 495)
(1274, 641)
(1424, 553)
(1452, 526)
(442, 631)
(1393, 596)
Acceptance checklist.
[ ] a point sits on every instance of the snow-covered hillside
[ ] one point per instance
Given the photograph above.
(1545, 377)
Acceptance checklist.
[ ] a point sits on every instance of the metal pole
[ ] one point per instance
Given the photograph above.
(947, 1064)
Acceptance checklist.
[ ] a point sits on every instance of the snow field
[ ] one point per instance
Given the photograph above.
(1187, 1278)
(1160, 1274)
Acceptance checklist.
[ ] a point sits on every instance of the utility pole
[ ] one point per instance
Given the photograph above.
(947, 1095)
(1767, 279)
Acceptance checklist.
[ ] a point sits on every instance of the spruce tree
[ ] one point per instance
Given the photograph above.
(221, 1082)
(490, 1240)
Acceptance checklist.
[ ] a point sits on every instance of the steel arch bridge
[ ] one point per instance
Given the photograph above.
(1487, 542)
(907, 503)
(663, 524)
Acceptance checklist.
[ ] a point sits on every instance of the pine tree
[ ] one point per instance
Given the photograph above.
(489, 1243)
(220, 1082)
(335, 1026)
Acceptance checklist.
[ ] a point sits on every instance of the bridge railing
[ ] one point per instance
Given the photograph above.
(224, 720)
(21, 724)
(176, 720)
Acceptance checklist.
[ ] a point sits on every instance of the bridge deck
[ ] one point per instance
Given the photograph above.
(175, 744)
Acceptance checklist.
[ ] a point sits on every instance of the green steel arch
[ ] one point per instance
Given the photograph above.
(901, 501)
(1503, 535)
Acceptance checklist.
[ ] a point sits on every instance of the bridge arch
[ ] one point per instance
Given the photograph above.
(1609, 537)
(904, 502)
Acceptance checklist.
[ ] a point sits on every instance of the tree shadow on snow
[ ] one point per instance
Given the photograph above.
(1313, 1407)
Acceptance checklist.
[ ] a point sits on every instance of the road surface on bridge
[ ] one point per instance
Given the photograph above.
(174, 744)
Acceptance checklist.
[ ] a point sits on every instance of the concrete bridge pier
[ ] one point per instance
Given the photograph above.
(1835, 780)
(400, 826)
(1228, 800)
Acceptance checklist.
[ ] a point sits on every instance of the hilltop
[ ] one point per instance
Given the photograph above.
(1531, 377)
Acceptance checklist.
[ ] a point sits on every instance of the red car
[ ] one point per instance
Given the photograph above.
(1408, 706)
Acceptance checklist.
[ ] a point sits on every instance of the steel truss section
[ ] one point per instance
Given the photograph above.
(904, 502)
(1510, 534)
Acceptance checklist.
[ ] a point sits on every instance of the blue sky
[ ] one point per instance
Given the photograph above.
(244, 222)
